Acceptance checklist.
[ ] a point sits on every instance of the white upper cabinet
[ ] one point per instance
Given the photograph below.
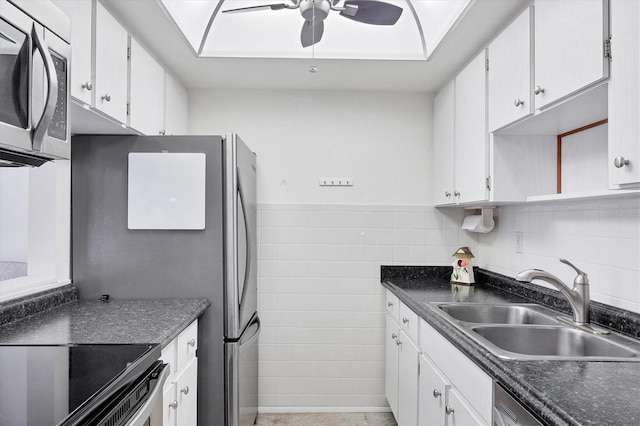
(111, 43)
(147, 99)
(80, 13)
(570, 40)
(176, 107)
(470, 149)
(510, 73)
(624, 95)
(443, 127)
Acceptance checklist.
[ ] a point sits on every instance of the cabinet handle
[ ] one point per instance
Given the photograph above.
(161, 132)
(405, 320)
(173, 404)
(456, 193)
(185, 390)
(398, 342)
(447, 194)
(389, 304)
(518, 102)
(436, 393)
(87, 86)
(449, 410)
(192, 343)
(538, 90)
(394, 336)
(620, 162)
(106, 97)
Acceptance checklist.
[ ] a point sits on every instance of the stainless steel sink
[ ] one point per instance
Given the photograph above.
(499, 314)
(552, 341)
(534, 332)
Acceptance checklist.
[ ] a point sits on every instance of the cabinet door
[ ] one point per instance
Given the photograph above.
(432, 393)
(443, 127)
(408, 361)
(569, 46)
(80, 12)
(510, 61)
(169, 405)
(146, 100)
(458, 413)
(111, 65)
(624, 93)
(176, 107)
(187, 394)
(391, 365)
(470, 154)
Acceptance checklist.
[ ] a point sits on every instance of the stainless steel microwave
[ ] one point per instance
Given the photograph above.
(35, 55)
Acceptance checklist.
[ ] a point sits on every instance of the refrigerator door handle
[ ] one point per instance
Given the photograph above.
(251, 340)
(247, 268)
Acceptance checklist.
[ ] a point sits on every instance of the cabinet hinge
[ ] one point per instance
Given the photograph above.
(607, 48)
(128, 53)
(486, 64)
(128, 108)
(488, 183)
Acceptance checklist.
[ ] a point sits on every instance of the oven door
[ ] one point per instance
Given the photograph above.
(150, 414)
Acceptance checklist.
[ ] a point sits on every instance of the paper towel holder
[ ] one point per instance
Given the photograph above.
(478, 219)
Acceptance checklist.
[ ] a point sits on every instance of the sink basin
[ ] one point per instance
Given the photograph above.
(498, 314)
(548, 342)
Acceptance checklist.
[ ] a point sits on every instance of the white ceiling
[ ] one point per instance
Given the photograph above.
(145, 20)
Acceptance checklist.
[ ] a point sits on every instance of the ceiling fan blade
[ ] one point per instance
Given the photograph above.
(372, 12)
(277, 6)
(311, 34)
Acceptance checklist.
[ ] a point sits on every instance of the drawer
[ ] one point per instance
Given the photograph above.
(409, 321)
(187, 345)
(393, 306)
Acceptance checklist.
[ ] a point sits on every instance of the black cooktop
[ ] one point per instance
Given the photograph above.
(56, 385)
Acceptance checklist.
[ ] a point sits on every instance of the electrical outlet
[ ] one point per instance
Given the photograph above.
(519, 242)
(336, 182)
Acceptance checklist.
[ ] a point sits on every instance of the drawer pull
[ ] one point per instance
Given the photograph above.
(173, 404)
(185, 390)
(398, 342)
(436, 393)
(394, 336)
(389, 304)
(405, 320)
(449, 410)
(192, 343)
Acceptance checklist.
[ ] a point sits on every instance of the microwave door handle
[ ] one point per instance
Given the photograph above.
(41, 128)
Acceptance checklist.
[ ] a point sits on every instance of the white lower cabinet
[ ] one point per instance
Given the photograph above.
(180, 392)
(431, 383)
(408, 357)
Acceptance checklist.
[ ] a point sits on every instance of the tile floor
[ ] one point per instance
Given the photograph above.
(326, 419)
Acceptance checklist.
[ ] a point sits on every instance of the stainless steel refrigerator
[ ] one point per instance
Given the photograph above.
(217, 261)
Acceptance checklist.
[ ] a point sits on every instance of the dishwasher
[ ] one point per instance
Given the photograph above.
(509, 412)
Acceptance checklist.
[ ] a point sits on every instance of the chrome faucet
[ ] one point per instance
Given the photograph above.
(578, 295)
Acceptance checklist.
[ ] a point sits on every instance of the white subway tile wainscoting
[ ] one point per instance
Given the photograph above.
(321, 302)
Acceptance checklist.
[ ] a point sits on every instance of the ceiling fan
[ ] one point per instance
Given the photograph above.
(316, 11)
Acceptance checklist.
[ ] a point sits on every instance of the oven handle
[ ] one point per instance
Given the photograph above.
(52, 92)
(144, 412)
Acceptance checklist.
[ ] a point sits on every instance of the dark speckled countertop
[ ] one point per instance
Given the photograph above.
(92, 321)
(558, 392)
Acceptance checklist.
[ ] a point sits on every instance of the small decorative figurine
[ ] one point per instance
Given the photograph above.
(462, 269)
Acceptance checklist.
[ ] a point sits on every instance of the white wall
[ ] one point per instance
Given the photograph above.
(14, 209)
(379, 139)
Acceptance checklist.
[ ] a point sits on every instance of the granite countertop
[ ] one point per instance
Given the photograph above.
(92, 321)
(558, 392)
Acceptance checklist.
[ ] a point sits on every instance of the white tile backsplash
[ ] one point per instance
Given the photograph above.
(321, 302)
(322, 305)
